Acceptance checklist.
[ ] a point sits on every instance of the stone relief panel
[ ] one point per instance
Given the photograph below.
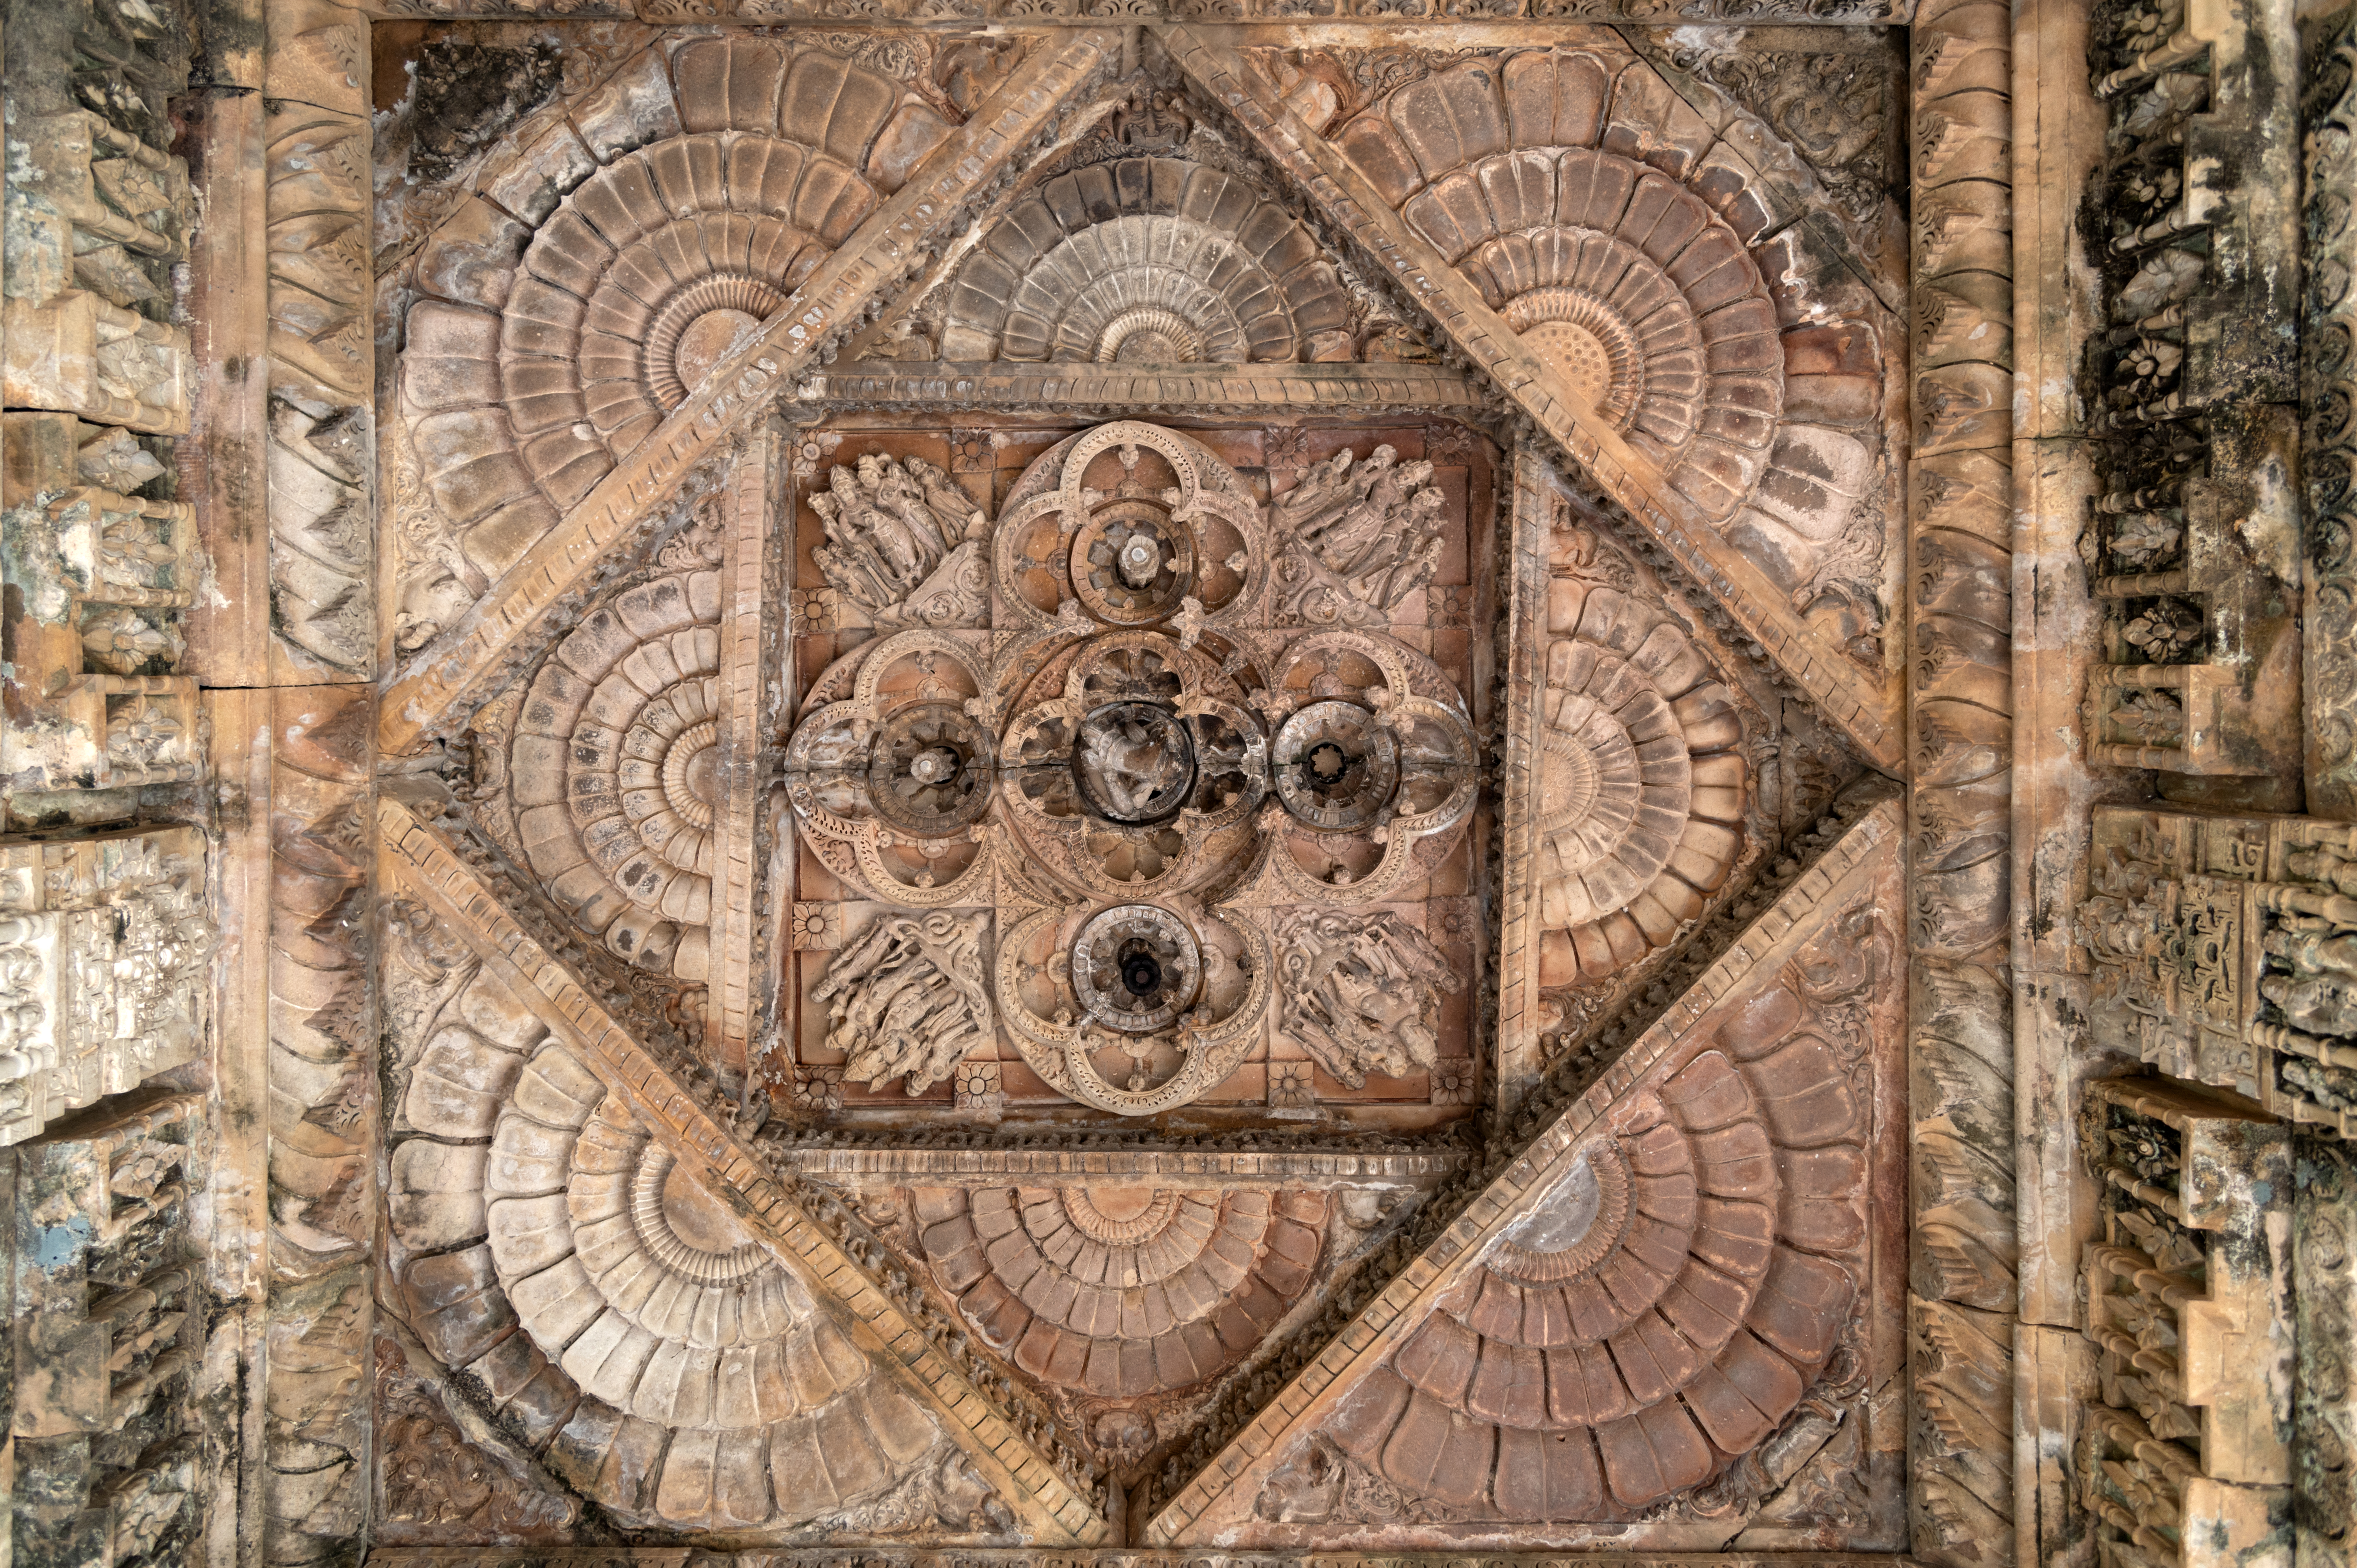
(612, 1315)
(1647, 1330)
(1204, 831)
(106, 949)
(108, 1335)
(1656, 267)
(616, 253)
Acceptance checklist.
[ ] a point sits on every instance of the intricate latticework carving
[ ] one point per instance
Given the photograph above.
(1163, 770)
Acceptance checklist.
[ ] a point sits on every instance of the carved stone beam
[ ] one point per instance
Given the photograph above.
(1105, 1557)
(1865, 710)
(418, 862)
(439, 689)
(1192, 1170)
(1221, 1498)
(752, 622)
(1129, 392)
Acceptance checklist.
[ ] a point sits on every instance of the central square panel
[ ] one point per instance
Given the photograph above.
(1135, 772)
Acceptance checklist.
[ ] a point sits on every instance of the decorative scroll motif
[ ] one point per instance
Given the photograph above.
(1357, 540)
(673, 223)
(109, 1332)
(1571, 190)
(1121, 1293)
(106, 949)
(669, 1365)
(322, 341)
(99, 578)
(907, 997)
(2184, 1458)
(1663, 1305)
(1154, 779)
(2192, 548)
(2324, 1302)
(614, 767)
(1151, 260)
(904, 543)
(2329, 399)
(1964, 1298)
(1074, 13)
(1360, 992)
(2224, 952)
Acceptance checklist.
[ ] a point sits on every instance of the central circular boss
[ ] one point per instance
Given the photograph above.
(1336, 766)
(1136, 968)
(1134, 762)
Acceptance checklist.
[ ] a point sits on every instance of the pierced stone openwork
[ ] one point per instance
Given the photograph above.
(1135, 775)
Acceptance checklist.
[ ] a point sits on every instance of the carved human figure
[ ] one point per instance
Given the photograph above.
(1362, 992)
(907, 998)
(890, 523)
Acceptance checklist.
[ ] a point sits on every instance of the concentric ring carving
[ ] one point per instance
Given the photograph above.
(1174, 1291)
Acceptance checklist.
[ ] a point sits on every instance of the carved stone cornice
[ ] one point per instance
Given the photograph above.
(445, 683)
(418, 864)
(1164, 1168)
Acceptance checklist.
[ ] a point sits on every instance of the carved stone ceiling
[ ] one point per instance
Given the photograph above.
(1071, 899)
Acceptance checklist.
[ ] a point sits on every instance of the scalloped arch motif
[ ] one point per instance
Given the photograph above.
(1148, 260)
(618, 256)
(1562, 183)
(617, 1317)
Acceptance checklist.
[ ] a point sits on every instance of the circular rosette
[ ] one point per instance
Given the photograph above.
(890, 773)
(1373, 766)
(1132, 762)
(930, 769)
(1136, 968)
(615, 763)
(1336, 766)
(1132, 563)
(1120, 1292)
(1661, 1305)
(1136, 1009)
(649, 1309)
(1132, 524)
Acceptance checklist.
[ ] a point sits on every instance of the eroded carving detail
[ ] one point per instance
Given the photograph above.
(1360, 992)
(906, 997)
(905, 544)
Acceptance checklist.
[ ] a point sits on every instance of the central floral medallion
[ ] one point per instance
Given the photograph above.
(1147, 751)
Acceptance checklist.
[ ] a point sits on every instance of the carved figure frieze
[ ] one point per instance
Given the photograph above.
(904, 542)
(907, 998)
(1361, 993)
(1358, 540)
(1128, 772)
(2221, 950)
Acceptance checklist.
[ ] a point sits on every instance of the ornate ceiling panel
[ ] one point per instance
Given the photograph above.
(967, 944)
